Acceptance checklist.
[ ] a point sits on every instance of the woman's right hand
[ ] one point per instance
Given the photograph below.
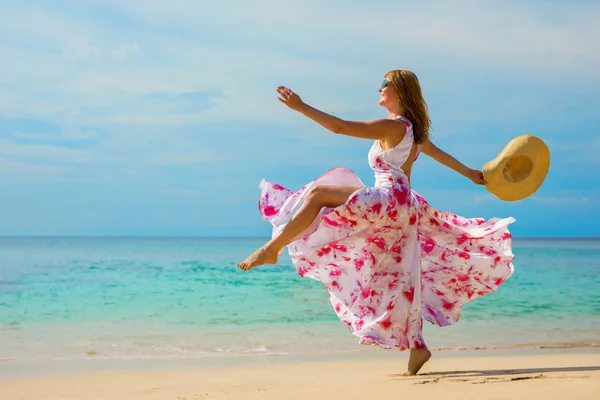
(289, 98)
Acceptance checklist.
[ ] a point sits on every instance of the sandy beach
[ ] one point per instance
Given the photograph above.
(552, 374)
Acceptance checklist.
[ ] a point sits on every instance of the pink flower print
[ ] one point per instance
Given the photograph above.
(386, 323)
(278, 187)
(343, 220)
(331, 222)
(269, 211)
(465, 255)
(377, 241)
(409, 294)
(324, 250)
(339, 247)
(413, 219)
(470, 293)
(449, 306)
(359, 324)
(376, 208)
(366, 292)
(400, 196)
(461, 239)
(335, 272)
(393, 214)
(358, 264)
(443, 257)
(419, 343)
(373, 258)
(428, 245)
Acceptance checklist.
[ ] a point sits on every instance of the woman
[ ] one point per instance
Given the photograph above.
(385, 256)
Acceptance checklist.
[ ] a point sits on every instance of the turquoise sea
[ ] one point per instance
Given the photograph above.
(116, 298)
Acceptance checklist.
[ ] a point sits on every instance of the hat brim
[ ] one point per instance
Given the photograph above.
(506, 189)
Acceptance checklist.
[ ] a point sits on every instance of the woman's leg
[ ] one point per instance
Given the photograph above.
(319, 197)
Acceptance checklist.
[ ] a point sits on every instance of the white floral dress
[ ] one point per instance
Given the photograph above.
(388, 259)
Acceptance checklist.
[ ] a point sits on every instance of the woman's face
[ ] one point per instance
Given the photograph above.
(388, 95)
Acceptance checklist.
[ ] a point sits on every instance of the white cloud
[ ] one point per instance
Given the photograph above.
(592, 150)
(542, 200)
(41, 152)
(560, 200)
(20, 170)
(68, 134)
(483, 198)
(81, 48)
(125, 50)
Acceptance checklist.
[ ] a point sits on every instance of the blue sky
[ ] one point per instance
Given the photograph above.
(161, 118)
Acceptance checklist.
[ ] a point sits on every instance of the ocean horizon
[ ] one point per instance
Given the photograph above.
(132, 236)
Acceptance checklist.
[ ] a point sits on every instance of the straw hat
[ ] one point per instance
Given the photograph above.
(519, 170)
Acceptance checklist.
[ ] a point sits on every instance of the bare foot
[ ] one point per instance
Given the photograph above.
(418, 358)
(264, 255)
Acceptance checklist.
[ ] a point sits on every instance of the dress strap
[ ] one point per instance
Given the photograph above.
(405, 120)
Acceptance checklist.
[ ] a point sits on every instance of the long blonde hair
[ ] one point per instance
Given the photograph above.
(411, 99)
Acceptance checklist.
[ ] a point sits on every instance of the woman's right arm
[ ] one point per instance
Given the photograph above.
(380, 129)
(446, 159)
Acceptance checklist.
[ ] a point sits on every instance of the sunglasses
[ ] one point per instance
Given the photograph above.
(385, 83)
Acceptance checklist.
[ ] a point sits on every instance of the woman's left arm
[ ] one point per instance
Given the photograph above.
(446, 159)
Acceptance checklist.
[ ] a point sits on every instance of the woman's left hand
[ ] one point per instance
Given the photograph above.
(289, 98)
(476, 176)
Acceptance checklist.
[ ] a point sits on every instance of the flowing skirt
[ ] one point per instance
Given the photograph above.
(387, 259)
